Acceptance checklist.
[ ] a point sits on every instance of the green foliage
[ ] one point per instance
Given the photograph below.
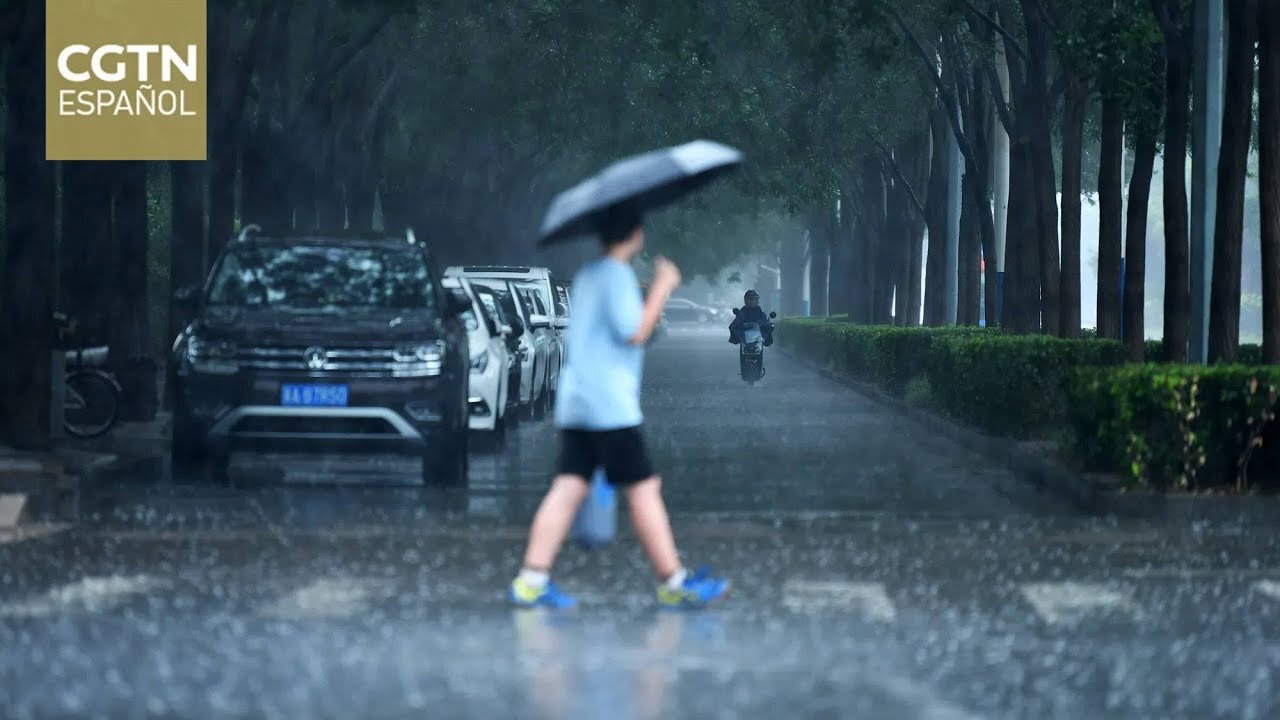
(1175, 426)
(1009, 385)
(1247, 354)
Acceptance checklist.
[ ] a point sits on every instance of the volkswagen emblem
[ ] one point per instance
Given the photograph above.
(315, 358)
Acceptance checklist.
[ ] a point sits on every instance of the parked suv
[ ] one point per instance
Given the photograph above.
(322, 343)
(537, 286)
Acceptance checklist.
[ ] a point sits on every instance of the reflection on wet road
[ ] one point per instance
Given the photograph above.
(878, 572)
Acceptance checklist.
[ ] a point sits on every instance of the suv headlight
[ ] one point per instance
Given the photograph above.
(419, 359)
(480, 361)
(215, 357)
(424, 353)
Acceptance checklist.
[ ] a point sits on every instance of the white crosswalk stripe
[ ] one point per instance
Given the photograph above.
(1057, 602)
(329, 598)
(870, 599)
(1270, 588)
(90, 594)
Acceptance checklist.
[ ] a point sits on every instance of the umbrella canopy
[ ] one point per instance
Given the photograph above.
(644, 182)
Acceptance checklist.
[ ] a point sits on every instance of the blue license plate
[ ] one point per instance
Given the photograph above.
(314, 395)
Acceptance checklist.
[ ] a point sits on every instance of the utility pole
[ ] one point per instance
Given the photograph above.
(955, 162)
(1000, 169)
(1206, 139)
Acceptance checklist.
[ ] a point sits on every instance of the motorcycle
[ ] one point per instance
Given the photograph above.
(751, 351)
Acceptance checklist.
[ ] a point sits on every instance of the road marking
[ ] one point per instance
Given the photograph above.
(1189, 573)
(30, 532)
(11, 507)
(1270, 588)
(329, 598)
(1058, 602)
(868, 598)
(91, 594)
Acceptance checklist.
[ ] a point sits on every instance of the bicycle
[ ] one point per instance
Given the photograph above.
(91, 395)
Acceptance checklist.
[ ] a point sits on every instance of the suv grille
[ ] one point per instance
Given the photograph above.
(380, 362)
(334, 426)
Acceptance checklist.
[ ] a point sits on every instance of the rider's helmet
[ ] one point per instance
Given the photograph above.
(750, 295)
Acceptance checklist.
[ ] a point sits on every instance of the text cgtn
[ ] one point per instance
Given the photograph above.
(102, 67)
(110, 63)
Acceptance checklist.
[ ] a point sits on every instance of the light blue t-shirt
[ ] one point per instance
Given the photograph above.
(600, 380)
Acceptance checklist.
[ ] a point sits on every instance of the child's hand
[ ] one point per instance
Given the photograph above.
(665, 274)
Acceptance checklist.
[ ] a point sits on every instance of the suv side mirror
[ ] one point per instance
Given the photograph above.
(539, 322)
(507, 330)
(187, 297)
(773, 315)
(456, 303)
(561, 323)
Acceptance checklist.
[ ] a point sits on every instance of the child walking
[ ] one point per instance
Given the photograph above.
(598, 415)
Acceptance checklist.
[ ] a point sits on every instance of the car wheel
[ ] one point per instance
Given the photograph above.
(492, 440)
(190, 460)
(449, 466)
(540, 407)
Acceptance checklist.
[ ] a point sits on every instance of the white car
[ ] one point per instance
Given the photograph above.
(490, 364)
(537, 286)
(534, 353)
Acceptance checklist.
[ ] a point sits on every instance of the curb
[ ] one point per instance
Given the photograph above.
(1019, 457)
(1086, 492)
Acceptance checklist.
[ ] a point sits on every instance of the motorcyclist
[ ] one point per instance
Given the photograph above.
(751, 312)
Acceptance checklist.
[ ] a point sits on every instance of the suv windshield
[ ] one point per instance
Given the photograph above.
(319, 277)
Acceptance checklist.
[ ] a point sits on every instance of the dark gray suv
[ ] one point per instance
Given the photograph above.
(328, 343)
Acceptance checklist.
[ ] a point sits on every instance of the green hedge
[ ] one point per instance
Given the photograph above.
(1167, 426)
(1249, 353)
(1012, 385)
(1178, 426)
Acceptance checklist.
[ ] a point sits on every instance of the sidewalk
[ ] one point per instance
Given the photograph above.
(39, 485)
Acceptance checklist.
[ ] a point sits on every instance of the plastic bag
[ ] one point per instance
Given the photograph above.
(597, 519)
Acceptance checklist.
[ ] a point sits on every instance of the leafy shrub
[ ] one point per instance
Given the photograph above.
(1177, 426)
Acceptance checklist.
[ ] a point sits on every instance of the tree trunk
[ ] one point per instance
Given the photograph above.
(1135, 264)
(1073, 115)
(1111, 202)
(1022, 260)
(935, 301)
(967, 265)
(1177, 251)
(1233, 163)
(27, 293)
(186, 243)
(1269, 175)
(820, 249)
(127, 330)
(87, 252)
(1036, 114)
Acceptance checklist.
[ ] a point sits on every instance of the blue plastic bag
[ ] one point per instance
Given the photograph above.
(597, 519)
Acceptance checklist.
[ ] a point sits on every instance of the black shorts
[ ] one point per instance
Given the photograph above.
(622, 453)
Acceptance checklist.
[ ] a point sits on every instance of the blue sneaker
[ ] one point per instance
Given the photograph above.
(700, 589)
(549, 596)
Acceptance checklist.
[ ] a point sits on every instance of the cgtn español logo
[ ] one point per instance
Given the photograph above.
(105, 65)
(126, 80)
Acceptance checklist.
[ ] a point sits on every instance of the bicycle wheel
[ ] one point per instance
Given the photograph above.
(92, 401)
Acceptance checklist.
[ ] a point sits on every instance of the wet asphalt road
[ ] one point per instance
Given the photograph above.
(879, 572)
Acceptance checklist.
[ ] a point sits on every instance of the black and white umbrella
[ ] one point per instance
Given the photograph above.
(645, 182)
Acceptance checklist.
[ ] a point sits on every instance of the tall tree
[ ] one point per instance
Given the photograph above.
(26, 293)
(1074, 106)
(1144, 101)
(1111, 216)
(1269, 174)
(1237, 119)
(1174, 17)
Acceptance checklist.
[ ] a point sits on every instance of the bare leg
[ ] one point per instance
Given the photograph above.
(649, 517)
(552, 522)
